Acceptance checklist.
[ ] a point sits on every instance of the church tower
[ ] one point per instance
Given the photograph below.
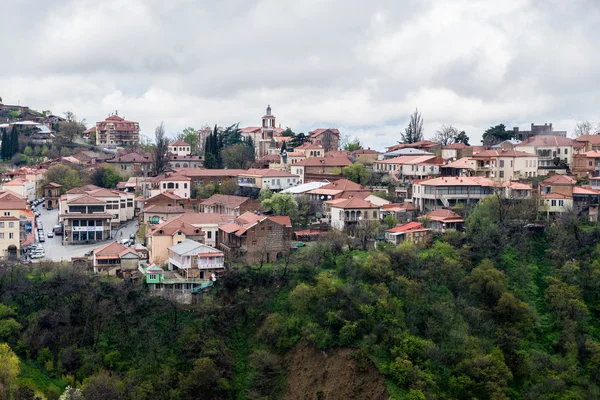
(268, 124)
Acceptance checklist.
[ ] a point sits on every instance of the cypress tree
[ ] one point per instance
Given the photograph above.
(4, 145)
(14, 142)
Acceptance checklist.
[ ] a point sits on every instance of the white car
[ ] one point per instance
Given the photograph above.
(37, 255)
(50, 234)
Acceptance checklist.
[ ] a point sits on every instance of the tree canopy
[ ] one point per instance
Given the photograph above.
(414, 131)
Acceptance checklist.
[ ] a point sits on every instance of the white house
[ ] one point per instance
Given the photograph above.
(273, 179)
(21, 186)
(176, 184)
(347, 213)
(179, 148)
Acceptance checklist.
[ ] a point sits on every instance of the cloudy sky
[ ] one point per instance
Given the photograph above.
(361, 66)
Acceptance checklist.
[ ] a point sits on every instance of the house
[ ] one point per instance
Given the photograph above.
(133, 164)
(456, 150)
(555, 203)
(367, 196)
(51, 191)
(319, 168)
(430, 194)
(259, 178)
(85, 219)
(441, 219)
(329, 138)
(411, 168)
(505, 145)
(232, 206)
(506, 165)
(348, 213)
(292, 157)
(167, 234)
(589, 142)
(208, 222)
(196, 261)
(413, 232)
(15, 222)
(91, 157)
(551, 150)
(179, 148)
(407, 151)
(561, 184)
(167, 199)
(559, 194)
(21, 186)
(177, 184)
(365, 156)
(114, 258)
(587, 164)
(465, 166)
(253, 238)
(117, 131)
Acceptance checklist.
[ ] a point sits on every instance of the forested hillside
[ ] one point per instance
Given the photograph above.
(502, 311)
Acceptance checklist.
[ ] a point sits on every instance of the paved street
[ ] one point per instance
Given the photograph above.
(54, 248)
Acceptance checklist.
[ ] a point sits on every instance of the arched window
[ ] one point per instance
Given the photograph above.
(177, 165)
(170, 185)
(185, 165)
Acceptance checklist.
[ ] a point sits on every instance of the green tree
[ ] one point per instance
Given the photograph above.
(390, 221)
(190, 136)
(229, 187)
(353, 145)
(265, 194)
(462, 138)
(9, 370)
(281, 204)
(70, 130)
(106, 177)
(64, 175)
(414, 131)
(28, 151)
(496, 134)
(237, 156)
(357, 172)
(103, 385)
(287, 132)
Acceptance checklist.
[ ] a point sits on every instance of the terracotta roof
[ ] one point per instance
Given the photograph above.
(197, 219)
(585, 191)
(12, 201)
(444, 215)
(352, 203)
(365, 151)
(86, 199)
(589, 154)
(178, 143)
(345, 185)
(101, 192)
(422, 143)
(229, 200)
(410, 227)
(131, 157)
(230, 227)
(309, 145)
(461, 163)
(399, 207)
(173, 177)
(457, 181)
(504, 153)
(113, 250)
(401, 160)
(456, 146)
(89, 188)
(281, 220)
(174, 225)
(295, 154)
(325, 162)
(593, 139)
(169, 195)
(268, 173)
(559, 180)
(76, 191)
(540, 140)
(16, 182)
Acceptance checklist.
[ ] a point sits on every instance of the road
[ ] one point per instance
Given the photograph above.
(56, 251)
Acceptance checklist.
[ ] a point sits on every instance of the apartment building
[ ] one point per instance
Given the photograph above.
(117, 131)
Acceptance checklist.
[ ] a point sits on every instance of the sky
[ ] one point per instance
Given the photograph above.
(359, 66)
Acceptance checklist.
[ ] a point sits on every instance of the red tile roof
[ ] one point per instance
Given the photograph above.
(174, 225)
(444, 215)
(456, 146)
(86, 199)
(540, 140)
(325, 162)
(559, 180)
(268, 173)
(410, 227)
(592, 139)
(585, 191)
(229, 200)
(130, 158)
(178, 143)
(351, 203)
(503, 153)
(319, 131)
(113, 250)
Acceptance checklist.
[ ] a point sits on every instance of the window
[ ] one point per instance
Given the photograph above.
(501, 174)
(7, 213)
(1, 235)
(11, 224)
(1, 224)
(561, 203)
(566, 151)
(553, 203)
(209, 234)
(374, 214)
(11, 235)
(501, 163)
(185, 185)
(589, 163)
(558, 151)
(152, 276)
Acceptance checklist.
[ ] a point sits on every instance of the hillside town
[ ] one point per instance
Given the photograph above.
(177, 214)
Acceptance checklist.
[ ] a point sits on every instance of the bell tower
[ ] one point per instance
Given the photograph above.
(268, 124)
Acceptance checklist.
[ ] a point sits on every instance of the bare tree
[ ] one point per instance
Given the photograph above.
(70, 116)
(585, 128)
(161, 143)
(414, 131)
(447, 134)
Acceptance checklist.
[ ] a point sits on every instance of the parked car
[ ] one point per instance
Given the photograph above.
(124, 241)
(37, 255)
(132, 236)
(50, 234)
(42, 238)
